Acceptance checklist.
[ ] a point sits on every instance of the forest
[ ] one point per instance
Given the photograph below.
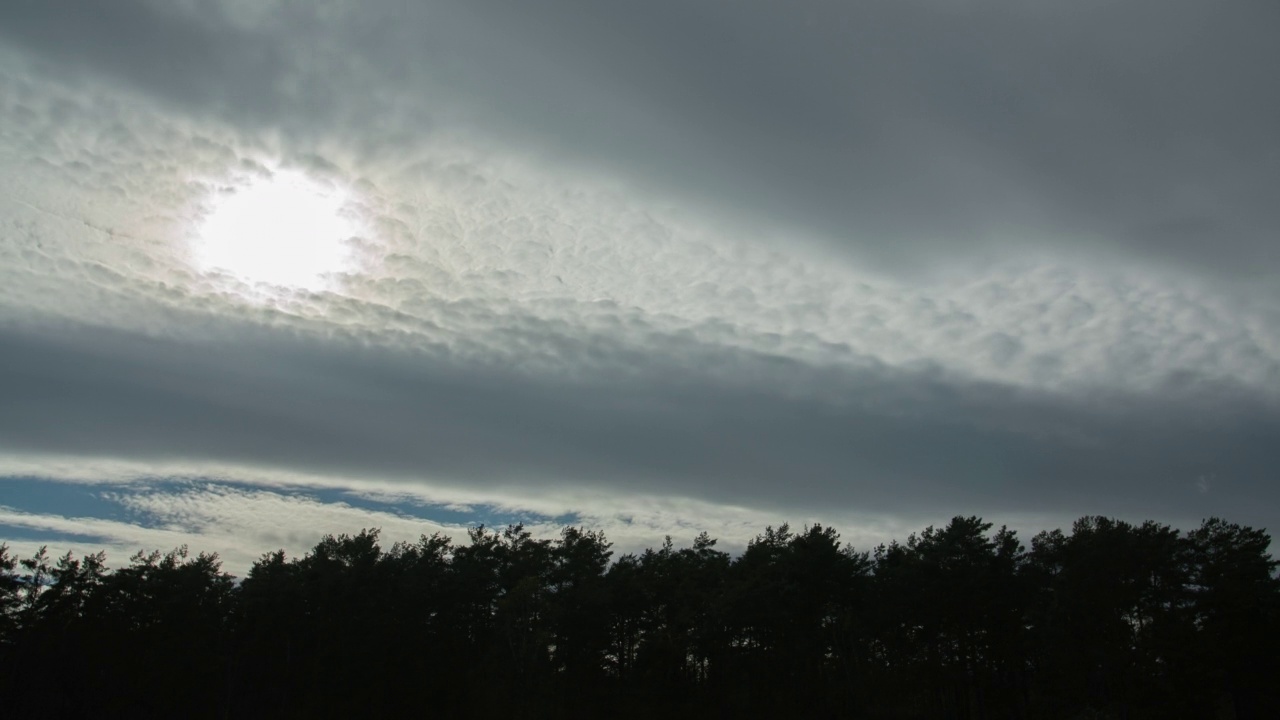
(1108, 620)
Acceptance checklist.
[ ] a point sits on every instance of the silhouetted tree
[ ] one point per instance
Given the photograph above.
(1109, 620)
(1235, 598)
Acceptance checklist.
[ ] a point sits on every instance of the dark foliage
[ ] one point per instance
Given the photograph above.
(1112, 620)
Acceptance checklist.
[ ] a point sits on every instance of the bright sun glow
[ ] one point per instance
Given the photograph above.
(286, 230)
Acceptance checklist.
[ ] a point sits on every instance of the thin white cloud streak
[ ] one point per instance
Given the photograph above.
(239, 525)
(264, 510)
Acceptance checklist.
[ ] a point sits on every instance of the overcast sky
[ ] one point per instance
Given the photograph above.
(655, 267)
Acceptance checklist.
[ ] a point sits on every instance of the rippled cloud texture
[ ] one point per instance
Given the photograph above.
(658, 268)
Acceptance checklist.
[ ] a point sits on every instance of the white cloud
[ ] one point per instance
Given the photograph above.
(239, 525)
(242, 512)
(491, 257)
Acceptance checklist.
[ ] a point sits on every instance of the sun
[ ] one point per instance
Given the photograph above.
(285, 230)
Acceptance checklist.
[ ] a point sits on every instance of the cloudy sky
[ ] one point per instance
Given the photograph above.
(270, 269)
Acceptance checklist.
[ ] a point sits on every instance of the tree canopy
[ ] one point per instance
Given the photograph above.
(1110, 619)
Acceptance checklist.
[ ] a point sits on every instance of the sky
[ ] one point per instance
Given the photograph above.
(274, 269)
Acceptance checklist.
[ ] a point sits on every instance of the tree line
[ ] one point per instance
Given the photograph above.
(1110, 620)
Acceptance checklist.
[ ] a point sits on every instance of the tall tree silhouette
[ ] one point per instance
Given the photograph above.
(951, 606)
(1236, 601)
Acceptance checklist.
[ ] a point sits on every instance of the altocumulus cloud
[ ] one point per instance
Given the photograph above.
(656, 269)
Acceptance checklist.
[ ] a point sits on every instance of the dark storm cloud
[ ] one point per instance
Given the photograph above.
(755, 430)
(894, 125)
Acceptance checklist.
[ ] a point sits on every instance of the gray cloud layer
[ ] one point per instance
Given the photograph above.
(875, 440)
(910, 133)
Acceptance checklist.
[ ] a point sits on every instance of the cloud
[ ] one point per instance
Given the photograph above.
(242, 518)
(240, 524)
(901, 258)
(187, 53)
(483, 257)
(750, 430)
(910, 135)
